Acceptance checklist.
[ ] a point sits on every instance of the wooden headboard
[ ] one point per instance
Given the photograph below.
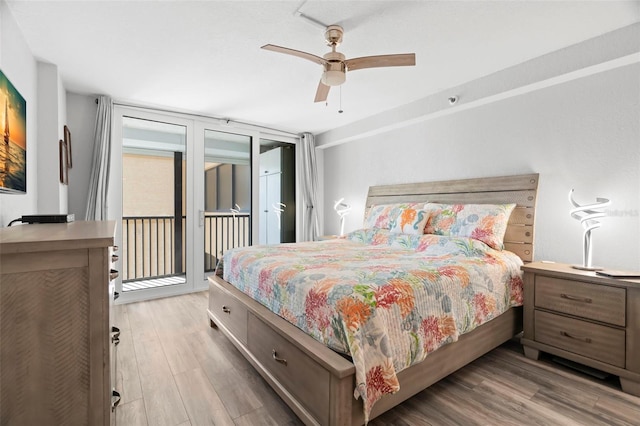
(519, 189)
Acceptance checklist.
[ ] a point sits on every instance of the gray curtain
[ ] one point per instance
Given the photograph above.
(309, 180)
(99, 182)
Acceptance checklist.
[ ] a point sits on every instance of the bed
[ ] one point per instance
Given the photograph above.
(318, 382)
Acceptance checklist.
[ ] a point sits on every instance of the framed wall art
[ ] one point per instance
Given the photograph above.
(13, 147)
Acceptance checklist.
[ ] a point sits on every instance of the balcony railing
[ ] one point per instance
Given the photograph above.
(223, 232)
(149, 247)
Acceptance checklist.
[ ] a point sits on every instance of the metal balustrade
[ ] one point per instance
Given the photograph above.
(148, 242)
(223, 232)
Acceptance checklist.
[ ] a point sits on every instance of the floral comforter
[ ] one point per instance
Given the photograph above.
(386, 299)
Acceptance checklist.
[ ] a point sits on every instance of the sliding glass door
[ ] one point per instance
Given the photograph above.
(186, 189)
(155, 170)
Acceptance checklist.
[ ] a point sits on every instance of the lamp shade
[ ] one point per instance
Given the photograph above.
(342, 209)
(588, 215)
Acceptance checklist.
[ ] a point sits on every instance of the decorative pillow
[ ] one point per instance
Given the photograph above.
(407, 218)
(483, 222)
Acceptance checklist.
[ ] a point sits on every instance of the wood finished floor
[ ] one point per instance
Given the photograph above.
(173, 369)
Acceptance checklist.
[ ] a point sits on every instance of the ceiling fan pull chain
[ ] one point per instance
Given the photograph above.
(340, 110)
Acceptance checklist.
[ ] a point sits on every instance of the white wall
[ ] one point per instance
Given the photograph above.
(19, 66)
(41, 86)
(580, 131)
(52, 194)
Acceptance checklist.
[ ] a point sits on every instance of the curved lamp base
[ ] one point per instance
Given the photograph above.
(587, 268)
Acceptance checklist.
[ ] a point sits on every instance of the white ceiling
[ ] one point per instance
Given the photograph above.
(205, 56)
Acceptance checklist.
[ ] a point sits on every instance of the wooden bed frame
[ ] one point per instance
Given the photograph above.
(318, 383)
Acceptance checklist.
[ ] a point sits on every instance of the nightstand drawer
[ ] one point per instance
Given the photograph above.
(597, 302)
(595, 341)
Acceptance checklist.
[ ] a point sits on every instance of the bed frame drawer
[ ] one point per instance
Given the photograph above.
(595, 341)
(597, 302)
(299, 374)
(228, 311)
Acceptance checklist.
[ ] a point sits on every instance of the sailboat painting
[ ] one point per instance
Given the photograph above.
(13, 146)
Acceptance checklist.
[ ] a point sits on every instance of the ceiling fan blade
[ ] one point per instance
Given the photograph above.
(400, 60)
(322, 92)
(293, 52)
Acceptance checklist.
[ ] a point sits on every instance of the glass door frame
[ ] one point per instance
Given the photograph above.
(115, 204)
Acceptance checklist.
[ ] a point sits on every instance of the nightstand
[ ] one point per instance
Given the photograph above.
(583, 317)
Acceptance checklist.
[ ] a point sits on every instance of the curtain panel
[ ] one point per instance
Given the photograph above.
(309, 179)
(101, 163)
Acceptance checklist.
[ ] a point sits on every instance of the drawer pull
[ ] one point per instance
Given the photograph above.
(116, 294)
(114, 257)
(584, 339)
(115, 399)
(274, 354)
(226, 310)
(113, 274)
(577, 299)
(115, 337)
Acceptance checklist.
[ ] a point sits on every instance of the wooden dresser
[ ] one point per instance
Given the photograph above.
(583, 317)
(55, 324)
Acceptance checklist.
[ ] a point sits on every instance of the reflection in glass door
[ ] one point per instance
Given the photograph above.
(277, 192)
(154, 207)
(227, 194)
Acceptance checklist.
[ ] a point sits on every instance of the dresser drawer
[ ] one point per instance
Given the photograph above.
(293, 369)
(597, 302)
(228, 311)
(595, 341)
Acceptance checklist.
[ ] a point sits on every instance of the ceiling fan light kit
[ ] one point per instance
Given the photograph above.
(334, 69)
(333, 78)
(334, 64)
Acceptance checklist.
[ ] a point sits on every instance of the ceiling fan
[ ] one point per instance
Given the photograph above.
(336, 66)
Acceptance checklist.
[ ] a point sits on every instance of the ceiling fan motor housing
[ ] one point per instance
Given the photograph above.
(334, 69)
